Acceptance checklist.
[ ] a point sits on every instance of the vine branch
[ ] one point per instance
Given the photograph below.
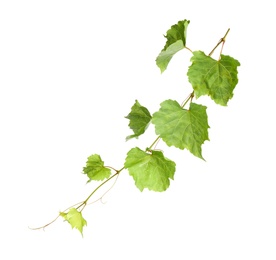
(141, 164)
(84, 203)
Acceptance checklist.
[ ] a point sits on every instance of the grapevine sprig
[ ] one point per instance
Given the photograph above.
(184, 125)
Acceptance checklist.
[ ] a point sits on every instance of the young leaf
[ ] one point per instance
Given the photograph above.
(214, 78)
(150, 170)
(75, 219)
(176, 41)
(139, 119)
(95, 169)
(180, 127)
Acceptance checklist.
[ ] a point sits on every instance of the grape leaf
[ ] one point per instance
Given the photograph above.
(74, 218)
(139, 119)
(214, 78)
(149, 170)
(95, 169)
(180, 127)
(176, 41)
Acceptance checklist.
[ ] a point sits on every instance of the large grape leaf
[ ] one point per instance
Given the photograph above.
(180, 127)
(95, 169)
(149, 170)
(176, 41)
(139, 118)
(214, 78)
(75, 219)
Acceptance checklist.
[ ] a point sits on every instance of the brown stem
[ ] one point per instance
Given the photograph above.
(222, 40)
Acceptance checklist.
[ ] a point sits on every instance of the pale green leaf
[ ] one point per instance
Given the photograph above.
(74, 218)
(214, 78)
(139, 118)
(176, 41)
(95, 169)
(180, 127)
(150, 170)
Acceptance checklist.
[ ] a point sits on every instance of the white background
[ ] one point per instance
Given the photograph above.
(71, 70)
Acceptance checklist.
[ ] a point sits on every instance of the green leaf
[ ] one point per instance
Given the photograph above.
(139, 119)
(74, 218)
(214, 78)
(150, 170)
(176, 41)
(180, 127)
(95, 169)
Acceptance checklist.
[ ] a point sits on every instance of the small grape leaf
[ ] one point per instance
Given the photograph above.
(214, 78)
(95, 169)
(180, 127)
(149, 170)
(139, 119)
(176, 41)
(75, 219)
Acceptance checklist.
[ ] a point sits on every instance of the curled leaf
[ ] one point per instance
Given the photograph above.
(75, 219)
(176, 41)
(139, 118)
(95, 169)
